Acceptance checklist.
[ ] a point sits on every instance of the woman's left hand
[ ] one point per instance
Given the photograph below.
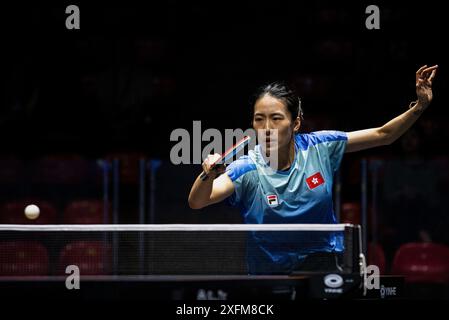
(424, 78)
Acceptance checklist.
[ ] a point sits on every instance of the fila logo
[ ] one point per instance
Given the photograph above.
(272, 200)
(315, 180)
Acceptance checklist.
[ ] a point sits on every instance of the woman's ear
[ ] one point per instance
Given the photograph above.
(297, 125)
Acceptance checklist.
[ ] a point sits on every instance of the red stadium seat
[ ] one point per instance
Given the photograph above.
(61, 169)
(376, 256)
(84, 212)
(23, 258)
(14, 212)
(91, 257)
(422, 263)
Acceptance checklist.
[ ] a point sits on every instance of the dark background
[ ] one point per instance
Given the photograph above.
(134, 72)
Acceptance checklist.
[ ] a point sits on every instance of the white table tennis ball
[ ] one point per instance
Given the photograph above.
(32, 211)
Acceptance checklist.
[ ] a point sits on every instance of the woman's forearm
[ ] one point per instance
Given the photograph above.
(200, 193)
(396, 127)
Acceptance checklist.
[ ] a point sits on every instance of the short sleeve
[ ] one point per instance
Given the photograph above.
(239, 172)
(235, 198)
(336, 142)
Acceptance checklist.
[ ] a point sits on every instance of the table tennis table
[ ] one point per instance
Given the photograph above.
(197, 287)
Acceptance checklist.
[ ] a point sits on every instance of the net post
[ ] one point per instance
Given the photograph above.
(352, 247)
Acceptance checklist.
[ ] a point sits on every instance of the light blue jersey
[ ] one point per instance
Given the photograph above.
(303, 194)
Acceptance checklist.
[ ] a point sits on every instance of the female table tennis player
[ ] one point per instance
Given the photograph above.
(300, 191)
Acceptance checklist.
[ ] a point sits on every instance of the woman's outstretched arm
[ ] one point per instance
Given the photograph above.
(392, 130)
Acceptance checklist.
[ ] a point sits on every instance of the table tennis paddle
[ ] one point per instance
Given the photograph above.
(231, 152)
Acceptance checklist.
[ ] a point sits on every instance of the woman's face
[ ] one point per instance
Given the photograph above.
(273, 123)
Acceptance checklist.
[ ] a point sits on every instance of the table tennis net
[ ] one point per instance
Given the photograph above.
(48, 250)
